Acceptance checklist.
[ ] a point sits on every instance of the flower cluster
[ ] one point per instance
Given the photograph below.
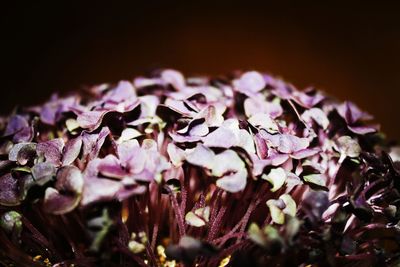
(163, 170)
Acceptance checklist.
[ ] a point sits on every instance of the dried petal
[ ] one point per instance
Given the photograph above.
(348, 146)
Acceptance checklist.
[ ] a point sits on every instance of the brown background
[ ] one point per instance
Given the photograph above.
(349, 49)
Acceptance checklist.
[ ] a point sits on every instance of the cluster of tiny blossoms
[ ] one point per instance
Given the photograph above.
(163, 170)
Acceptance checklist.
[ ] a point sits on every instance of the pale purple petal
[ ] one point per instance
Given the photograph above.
(201, 156)
(92, 143)
(363, 129)
(291, 143)
(72, 150)
(91, 119)
(221, 137)
(227, 161)
(51, 150)
(250, 82)
(126, 150)
(110, 167)
(67, 192)
(233, 183)
(305, 153)
(9, 191)
(43, 172)
(22, 152)
(173, 77)
(20, 128)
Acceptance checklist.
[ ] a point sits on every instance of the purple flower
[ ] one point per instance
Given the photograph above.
(241, 170)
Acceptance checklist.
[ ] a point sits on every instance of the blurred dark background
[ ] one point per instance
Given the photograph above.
(350, 49)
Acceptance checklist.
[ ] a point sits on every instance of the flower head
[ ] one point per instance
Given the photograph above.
(165, 169)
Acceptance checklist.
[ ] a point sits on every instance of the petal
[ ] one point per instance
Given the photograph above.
(184, 139)
(98, 190)
(9, 191)
(317, 115)
(128, 134)
(290, 205)
(92, 143)
(137, 160)
(275, 160)
(277, 214)
(204, 213)
(69, 180)
(213, 116)
(194, 220)
(43, 172)
(363, 129)
(173, 77)
(176, 155)
(307, 100)
(72, 150)
(91, 120)
(276, 177)
(261, 146)
(19, 127)
(351, 113)
(315, 179)
(72, 125)
(126, 150)
(52, 150)
(123, 92)
(233, 183)
(111, 167)
(245, 140)
(67, 192)
(291, 143)
(221, 137)
(22, 152)
(250, 82)
(148, 105)
(258, 105)
(348, 146)
(201, 156)
(305, 153)
(199, 130)
(264, 121)
(227, 161)
(56, 203)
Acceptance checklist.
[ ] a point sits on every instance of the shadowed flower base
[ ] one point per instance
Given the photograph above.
(238, 170)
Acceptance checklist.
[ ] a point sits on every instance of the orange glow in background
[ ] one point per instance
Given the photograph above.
(349, 50)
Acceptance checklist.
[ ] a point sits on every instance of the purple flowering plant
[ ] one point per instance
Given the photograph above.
(163, 170)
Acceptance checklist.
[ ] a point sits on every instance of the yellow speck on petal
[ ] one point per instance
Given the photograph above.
(125, 212)
(170, 264)
(161, 254)
(47, 262)
(37, 258)
(225, 261)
